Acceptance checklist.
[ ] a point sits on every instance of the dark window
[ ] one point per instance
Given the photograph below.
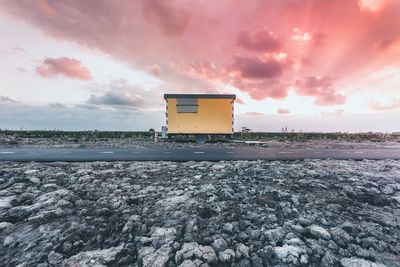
(186, 105)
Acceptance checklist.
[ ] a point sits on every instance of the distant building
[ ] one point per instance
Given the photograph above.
(245, 130)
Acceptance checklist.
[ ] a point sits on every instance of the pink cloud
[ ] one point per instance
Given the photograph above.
(260, 90)
(283, 111)
(239, 101)
(154, 69)
(254, 113)
(258, 67)
(170, 19)
(72, 68)
(321, 89)
(262, 41)
(19, 49)
(394, 104)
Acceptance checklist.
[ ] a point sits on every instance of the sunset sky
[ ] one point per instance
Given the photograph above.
(315, 65)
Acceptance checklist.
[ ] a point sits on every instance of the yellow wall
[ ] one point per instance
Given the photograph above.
(214, 116)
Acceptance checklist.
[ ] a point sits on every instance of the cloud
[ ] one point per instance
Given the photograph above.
(21, 69)
(321, 89)
(160, 33)
(260, 90)
(371, 5)
(389, 44)
(337, 112)
(57, 105)
(120, 94)
(69, 67)
(19, 49)
(154, 69)
(7, 99)
(171, 20)
(283, 111)
(258, 67)
(394, 104)
(239, 101)
(261, 41)
(254, 113)
(111, 98)
(41, 117)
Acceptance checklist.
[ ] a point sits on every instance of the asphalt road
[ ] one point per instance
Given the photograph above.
(189, 154)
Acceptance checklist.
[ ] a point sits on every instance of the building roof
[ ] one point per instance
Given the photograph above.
(217, 96)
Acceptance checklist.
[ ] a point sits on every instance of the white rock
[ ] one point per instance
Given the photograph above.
(31, 171)
(34, 180)
(4, 225)
(289, 254)
(100, 257)
(217, 167)
(275, 235)
(319, 231)
(357, 262)
(155, 258)
(5, 202)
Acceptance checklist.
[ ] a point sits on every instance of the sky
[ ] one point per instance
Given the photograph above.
(310, 65)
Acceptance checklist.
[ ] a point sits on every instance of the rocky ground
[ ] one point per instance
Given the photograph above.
(240, 213)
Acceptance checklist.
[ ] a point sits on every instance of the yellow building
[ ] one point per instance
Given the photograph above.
(199, 114)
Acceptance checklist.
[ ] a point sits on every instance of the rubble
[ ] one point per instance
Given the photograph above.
(239, 213)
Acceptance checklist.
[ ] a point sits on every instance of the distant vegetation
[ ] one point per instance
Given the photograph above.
(262, 136)
(77, 136)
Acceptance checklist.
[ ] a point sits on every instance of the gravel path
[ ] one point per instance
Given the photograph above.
(299, 213)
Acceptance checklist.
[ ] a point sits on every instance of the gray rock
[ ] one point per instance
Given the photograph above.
(242, 251)
(328, 260)
(275, 235)
(149, 257)
(350, 228)
(192, 250)
(5, 202)
(341, 237)
(256, 261)
(226, 256)
(228, 227)
(388, 189)
(187, 263)
(290, 254)
(208, 255)
(100, 257)
(217, 167)
(244, 263)
(5, 225)
(267, 253)
(54, 258)
(31, 171)
(161, 236)
(318, 231)
(357, 262)
(219, 245)
(255, 234)
(8, 241)
(34, 180)
(188, 251)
